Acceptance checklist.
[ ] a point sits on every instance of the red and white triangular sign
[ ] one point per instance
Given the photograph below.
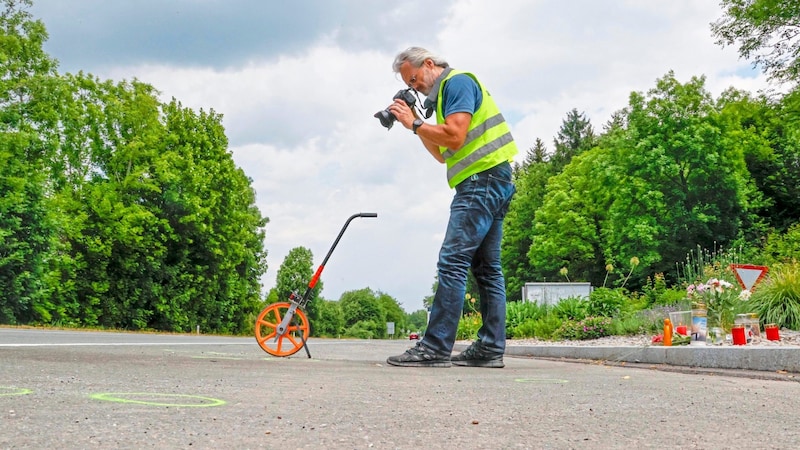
(749, 275)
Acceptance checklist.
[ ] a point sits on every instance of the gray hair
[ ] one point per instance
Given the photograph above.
(416, 56)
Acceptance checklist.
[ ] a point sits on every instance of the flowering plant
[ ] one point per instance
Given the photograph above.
(720, 299)
(589, 328)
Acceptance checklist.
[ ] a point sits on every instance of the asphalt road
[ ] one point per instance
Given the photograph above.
(76, 390)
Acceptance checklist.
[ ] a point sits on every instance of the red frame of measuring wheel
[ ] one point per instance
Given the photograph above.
(763, 269)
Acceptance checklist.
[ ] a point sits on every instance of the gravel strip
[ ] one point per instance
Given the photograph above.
(789, 338)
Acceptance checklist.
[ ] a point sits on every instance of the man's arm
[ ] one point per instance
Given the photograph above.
(450, 134)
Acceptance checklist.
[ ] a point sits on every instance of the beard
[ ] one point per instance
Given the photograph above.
(429, 79)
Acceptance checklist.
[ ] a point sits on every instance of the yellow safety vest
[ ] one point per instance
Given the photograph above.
(488, 141)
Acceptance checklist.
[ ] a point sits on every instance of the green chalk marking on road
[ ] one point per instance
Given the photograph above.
(124, 397)
(541, 380)
(14, 391)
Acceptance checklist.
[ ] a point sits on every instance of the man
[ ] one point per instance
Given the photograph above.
(474, 141)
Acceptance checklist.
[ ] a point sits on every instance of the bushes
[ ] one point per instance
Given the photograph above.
(546, 327)
(541, 328)
(588, 328)
(468, 326)
(605, 302)
(656, 292)
(360, 330)
(518, 313)
(609, 312)
(783, 248)
(777, 299)
(649, 321)
(571, 308)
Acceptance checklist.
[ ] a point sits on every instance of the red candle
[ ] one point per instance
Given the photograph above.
(681, 329)
(739, 337)
(772, 332)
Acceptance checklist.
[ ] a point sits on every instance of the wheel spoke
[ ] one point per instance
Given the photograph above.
(268, 324)
(266, 338)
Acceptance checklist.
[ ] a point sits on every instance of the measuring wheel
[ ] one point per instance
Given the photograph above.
(282, 328)
(288, 342)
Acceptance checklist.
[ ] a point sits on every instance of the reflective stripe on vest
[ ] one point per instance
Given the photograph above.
(488, 141)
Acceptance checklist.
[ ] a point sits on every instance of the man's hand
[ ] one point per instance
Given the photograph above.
(402, 112)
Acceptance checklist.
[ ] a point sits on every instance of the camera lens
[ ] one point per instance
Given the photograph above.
(387, 119)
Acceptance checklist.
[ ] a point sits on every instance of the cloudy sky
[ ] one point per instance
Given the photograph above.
(298, 82)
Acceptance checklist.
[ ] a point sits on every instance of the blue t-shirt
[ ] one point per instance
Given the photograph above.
(461, 94)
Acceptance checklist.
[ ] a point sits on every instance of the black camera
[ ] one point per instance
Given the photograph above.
(387, 119)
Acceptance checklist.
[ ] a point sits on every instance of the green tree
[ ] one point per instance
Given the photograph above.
(770, 139)
(668, 174)
(294, 275)
(158, 228)
(568, 226)
(295, 272)
(767, 31)
(534, 155)
(531, 180)
(27, 81)
(393, 312)
(362, 309)
(574, 137)
(218, 230)
(110, 250)
(418, 320)
(330, 319)
(117, 210)
(427, 302)
(685, 182)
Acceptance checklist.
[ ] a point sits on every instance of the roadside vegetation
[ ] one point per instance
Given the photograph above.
(119, 211)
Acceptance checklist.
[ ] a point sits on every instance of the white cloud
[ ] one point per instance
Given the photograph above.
(301, 125)
(545, 58)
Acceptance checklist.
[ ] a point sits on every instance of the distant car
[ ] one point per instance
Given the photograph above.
(413, 336)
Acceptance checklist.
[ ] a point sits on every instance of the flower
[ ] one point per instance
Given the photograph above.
(609, 269)
(720, 299)
(634, 263)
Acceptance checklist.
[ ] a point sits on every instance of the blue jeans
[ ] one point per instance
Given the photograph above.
(472, 242)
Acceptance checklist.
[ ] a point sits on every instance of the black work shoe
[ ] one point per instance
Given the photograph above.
(478, 356)
(419, 356)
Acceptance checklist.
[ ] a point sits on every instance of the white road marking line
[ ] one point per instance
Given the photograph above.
(128, 344)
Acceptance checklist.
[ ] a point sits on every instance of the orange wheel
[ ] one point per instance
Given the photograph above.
(266, 330)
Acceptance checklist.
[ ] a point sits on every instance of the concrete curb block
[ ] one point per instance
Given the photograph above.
(745, 358)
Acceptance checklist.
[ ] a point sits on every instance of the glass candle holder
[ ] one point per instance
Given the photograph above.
(755, 328)
(699, 326)
(739, 334)
(716, 336)
(773, 334)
